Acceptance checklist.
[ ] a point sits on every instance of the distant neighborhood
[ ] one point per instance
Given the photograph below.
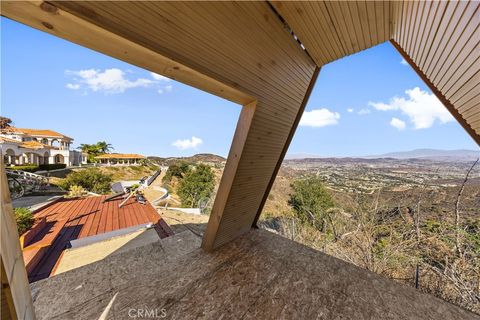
(50, 149)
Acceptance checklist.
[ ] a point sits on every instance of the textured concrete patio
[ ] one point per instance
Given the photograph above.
(258, 276)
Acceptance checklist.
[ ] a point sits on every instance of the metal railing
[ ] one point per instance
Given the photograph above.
(22, 182)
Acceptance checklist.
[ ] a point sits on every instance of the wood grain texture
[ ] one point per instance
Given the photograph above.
(11, 255)
(70, 219)
(442, 38)
(251, 52)
(48, 18)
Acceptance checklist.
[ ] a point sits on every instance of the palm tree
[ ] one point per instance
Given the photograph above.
(85, 147)
(5, 122)
(104, 147)
(92, 150)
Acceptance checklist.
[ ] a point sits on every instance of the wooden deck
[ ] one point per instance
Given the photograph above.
(70, 219)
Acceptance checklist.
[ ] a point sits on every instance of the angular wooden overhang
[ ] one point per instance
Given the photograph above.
(266, 56)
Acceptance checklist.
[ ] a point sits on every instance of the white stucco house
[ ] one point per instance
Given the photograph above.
(21, 146)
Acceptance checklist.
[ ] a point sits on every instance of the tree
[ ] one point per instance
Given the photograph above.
(94, 150)
(5, 122)
(311, 202)
(104, 147)
(197, 184)
(90, 179)
(177, 170)
(91, 150)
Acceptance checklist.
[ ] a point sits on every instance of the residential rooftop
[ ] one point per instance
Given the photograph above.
(36, 132)
(120, 156)
(66, 220)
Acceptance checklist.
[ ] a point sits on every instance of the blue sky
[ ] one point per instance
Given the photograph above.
(361, 105)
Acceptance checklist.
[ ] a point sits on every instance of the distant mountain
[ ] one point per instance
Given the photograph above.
(431, 154)
(201, 157)
(292, 156)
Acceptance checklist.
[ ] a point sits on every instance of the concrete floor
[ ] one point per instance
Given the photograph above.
(258, 276)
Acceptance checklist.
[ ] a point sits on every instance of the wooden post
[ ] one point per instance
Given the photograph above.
(287, 143)
(234, 156)
(16, 282)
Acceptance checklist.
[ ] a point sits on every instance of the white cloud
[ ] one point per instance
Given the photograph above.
(73, 86)
(404, 62)
(109, 81)
(422, 108)
(319, 118)
(162, 90)
(350, 110)
(187, 143)
(397, 123)
(364, 111)
(159, 77)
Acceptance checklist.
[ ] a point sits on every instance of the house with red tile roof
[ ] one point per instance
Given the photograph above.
(119, 158)
(38, 146)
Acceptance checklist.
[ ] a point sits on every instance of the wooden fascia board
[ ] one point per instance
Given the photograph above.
(450, 107)
(48, 18)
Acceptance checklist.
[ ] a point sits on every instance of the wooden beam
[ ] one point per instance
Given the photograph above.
(287, 143)
(450, 107)
(7, 311)
(11, 255)
(48, 18)
(234, 156)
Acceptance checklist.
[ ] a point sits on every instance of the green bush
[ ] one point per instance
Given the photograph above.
(24, 218)
(76, 191)
(26, 167)
(196, 185)
(311, 201)
(178, 170)
(34, 168)
(91, 179)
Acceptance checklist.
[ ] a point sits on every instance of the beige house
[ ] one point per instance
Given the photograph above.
(21, 146)
(119, 159)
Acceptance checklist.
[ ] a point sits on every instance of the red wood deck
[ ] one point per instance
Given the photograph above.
(70, 219)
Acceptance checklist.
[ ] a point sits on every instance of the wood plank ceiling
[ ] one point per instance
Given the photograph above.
(243, 45)
(441, 38)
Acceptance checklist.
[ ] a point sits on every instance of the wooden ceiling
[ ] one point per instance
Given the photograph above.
(441, 38)
(248, 52)
(331, 30)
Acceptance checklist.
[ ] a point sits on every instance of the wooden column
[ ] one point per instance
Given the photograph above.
(287, 143)
(230, 221)
(16, 283)
(233, 160)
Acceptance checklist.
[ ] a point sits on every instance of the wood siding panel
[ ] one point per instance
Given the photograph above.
(16, 282)
(444, 45)
(253, 53)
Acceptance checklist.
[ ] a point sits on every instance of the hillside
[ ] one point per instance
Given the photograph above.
(197, 158)
(432, 154)
(424, 154)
